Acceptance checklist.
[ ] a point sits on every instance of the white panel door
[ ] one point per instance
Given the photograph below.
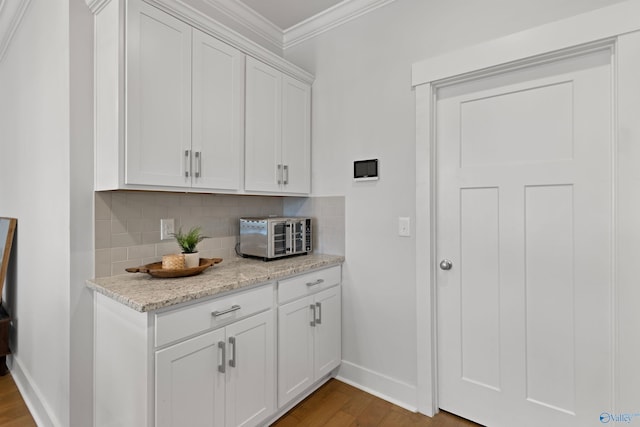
(158, 98)
(218, 113)
(190, 389)
(296, 136)
(524, 214)
(295, 349)
(263, 127)
(251, 370)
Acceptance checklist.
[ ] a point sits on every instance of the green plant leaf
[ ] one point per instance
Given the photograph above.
(189, 240)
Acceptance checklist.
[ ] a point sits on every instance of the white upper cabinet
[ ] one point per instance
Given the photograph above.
(170, 109)
(158, 96)
(278, 129)
(218, 113)
(263, 147)
(184, 104)
(296, 135)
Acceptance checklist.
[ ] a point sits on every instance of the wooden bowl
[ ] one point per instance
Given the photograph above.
(156, 270)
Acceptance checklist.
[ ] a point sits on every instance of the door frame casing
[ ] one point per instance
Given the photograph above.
(614, 26)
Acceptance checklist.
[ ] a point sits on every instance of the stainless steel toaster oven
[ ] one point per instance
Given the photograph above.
(270, 238)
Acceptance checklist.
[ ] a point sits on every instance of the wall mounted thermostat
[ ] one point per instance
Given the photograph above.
(365, 170)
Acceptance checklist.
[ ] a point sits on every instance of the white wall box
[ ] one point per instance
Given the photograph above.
(278, 131)
(309, 331)
(170, 104)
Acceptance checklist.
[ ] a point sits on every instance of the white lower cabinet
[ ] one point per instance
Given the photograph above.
(190, 389)
(222, 378)
(214, 363)
(251, 377)
(309, 336)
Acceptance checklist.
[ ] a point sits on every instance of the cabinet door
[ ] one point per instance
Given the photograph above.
(218, 113)
(263, 127)
(158, 89)
(295, 349)
(250, 370)
(328, 339)
(189, 386)
(296, 136)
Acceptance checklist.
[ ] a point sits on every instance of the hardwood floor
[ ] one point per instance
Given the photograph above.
(13, 411)
(337, 404)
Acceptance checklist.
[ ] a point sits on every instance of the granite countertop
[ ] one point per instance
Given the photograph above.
(143, 293)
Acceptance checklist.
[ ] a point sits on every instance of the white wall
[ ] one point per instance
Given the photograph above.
(81, 218)
(363, 107)
(34, 187)
(38, 123)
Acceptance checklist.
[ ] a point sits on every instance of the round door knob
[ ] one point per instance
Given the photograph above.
(445, 264)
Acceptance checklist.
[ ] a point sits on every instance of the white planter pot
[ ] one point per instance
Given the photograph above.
(191, 260)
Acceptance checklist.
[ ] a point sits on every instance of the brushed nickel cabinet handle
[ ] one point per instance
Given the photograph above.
(313, 310)
(232, 360)
(198, 163)
(233, 308)
(187, 163)
(319, 319)
(286, 174)
(222, 366)
(317, 282)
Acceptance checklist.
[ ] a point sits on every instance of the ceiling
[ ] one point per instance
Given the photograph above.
(287, 13)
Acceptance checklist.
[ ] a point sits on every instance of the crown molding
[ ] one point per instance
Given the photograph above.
(341, 13)
(11, 13)
(250, 19)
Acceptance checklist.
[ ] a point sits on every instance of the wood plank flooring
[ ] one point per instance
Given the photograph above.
(13, 411)
(337, 404)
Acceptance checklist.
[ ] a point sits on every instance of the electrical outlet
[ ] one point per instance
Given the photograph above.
(167, 228)
(404, 226)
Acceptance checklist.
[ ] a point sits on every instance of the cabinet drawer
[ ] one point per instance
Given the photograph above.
(307, 284)
(180, 323)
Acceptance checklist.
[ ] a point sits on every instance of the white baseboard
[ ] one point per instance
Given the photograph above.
(31, 394)
(382, 386)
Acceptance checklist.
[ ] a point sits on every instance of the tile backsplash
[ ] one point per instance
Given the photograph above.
(328, 220)
(127, 223)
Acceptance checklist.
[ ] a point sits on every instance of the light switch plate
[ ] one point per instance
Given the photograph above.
(167, 228)
(404, 226)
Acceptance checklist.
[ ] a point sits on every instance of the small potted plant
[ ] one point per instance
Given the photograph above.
(188, 242)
